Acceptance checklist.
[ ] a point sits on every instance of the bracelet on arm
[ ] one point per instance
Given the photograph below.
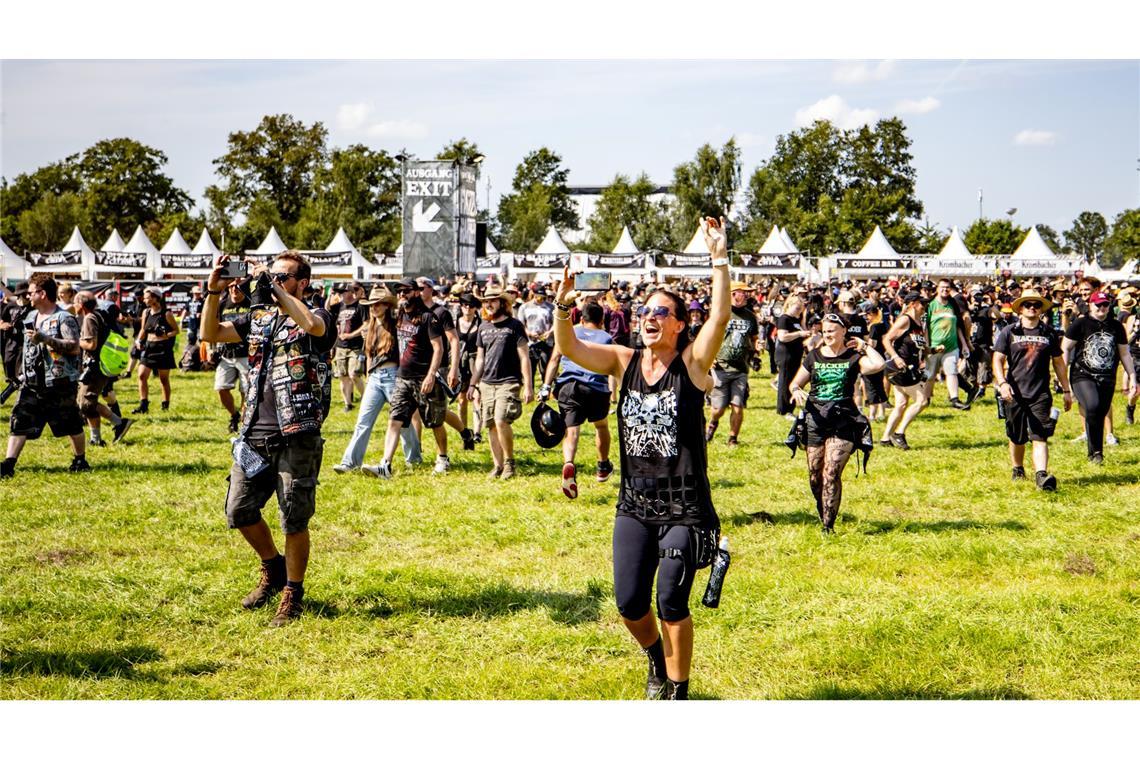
(214, 292)
(721, 262)
(562, 306)
(562, 315)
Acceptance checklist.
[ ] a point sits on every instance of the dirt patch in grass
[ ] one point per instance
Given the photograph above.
(1079, 564)
(61, 557)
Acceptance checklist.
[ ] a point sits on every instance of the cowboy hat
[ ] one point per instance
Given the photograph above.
(380, 294)
(1126, 301)
(1030, 294)
(495, 291)
(740, 286)
(547, 425)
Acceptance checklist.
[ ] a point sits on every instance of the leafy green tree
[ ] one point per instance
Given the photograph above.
(277, 162)
(930, 238)
(25, 190)
(705, 186)
(460, 150)
(625, 203)
(540, 183)
(358, 189)
(1123, 243)
(1088, 234)
(994, 237)
(124, 187)
(48, 223)
(1051, 238)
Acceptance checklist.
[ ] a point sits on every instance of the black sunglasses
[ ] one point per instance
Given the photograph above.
(1031, 305)
(283, 276)
(660, 312)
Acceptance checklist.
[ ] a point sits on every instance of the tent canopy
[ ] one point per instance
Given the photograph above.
(877, 247)
(955, 248)
(775, 243)
(114, 243)
(205, 245)
(140, 243)
(625, 243)
(175, 244)
(552, 243)
(14, 267)
(697, 243)
(1033, 247)
(340, 242)
(272, 245)
(788, 240)
(76, 243)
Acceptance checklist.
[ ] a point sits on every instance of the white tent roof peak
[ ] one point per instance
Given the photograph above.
(76, 243)
(1129, 267)
(697, 244)
(400, 249)
(955, 248)
(5, 250)
(1033, 247)
(788, 240)
(205, 244)
(272, 244)
(491, 246)
(775, 243)
(176, 243)
(552, 243)
(340, 242)
(625, 243)
(139, 243)
(114, 243)
(12, 266)
(877, 246)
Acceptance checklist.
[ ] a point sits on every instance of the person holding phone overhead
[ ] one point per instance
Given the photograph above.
(665, 524)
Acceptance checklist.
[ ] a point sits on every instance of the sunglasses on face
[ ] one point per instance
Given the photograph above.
(659, 312)
(283, 276)
(1100, 305)
(1031, 305)
(404, 291)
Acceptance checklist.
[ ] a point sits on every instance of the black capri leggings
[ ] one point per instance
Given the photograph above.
(637, 559)
(1095, 397)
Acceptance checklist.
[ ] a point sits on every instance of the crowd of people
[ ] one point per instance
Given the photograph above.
(468, 356)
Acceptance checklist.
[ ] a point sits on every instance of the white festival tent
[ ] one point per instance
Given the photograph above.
(776, 257)
(1125, 273)
(175, 244)
(548, 258)
(271, 246)
(144, 251)
(955, 259)
(625, 244)
(114, 244)
(788, 240)
(340, 258)
(1035, 257)
(492, 264)
(694, 261)
(625, 262)
(178, 259)
(75, 258)
(110, 259)
(12, 267)
(875, 258)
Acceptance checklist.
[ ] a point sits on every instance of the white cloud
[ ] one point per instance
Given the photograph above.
(925, 105)
(859, 72)
(750, 139)
(353, 116)
(836, 110)
(1034, 137)
(402, 128)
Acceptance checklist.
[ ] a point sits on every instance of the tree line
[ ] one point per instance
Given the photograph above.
(829, 187)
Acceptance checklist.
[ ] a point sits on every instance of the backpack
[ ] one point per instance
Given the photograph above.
(114, 355)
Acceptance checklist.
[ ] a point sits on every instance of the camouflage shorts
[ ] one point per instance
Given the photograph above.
(291, 474)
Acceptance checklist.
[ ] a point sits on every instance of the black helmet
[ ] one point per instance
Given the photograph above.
(547, 425)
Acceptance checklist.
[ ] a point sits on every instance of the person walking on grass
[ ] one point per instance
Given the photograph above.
(232, 370)
(347, 365)
(833, 424)
(450, 360)
(48, 375)
(790, 337)
(730, 370)
(420, 341)
(502, 369)
(156, 348)
(279, 445)
(1130, 316)
(1023, 353)
(467, 330)
(93, 384)
(905, 344)
(382, 361)
(665, 524)
(583, 396)
(1094, 346)
(947, 333)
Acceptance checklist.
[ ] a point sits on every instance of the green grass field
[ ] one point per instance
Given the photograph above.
(943, 581)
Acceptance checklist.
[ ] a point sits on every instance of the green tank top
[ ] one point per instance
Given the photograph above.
(943, 326)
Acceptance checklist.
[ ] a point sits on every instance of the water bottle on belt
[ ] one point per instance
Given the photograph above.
(716, 575)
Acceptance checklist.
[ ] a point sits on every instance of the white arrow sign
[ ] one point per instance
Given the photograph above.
(422, 221)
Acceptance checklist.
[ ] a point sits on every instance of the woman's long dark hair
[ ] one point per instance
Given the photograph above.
(380, 333)
(681, 312)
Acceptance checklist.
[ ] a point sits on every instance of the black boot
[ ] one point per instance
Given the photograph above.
(165, 406)
(1130, 414)
(655, 682)
(142, 408)
(468, 439)
(8, 468)
(676, 690)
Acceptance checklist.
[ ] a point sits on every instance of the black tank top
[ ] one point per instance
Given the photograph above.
(156, 324)
(664, 467)
(909, 345)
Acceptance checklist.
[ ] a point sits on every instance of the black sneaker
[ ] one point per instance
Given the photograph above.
(710, 431)
(235, 418)
(269, 583)
(478, 437)
(7, 468)
(79, 464)
(142, 408)
(959, 405)
(732, 442)
(348, 407)
(899, 440)
(1130, 415)
(121, 429)
(468, 439)
(165, 406)
(97, 443)
(605, 469)
(1097, 458)
(887, 442)
(1045, 481)
(1019, 473)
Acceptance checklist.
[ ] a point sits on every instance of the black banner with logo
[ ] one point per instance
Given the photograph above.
(542, 260)
(685, 260)
(329, 259)
(187, 261)
(770, 260)
(617, 260)
(120, 260)
(490, 261)
(857, 263)
(55, 258)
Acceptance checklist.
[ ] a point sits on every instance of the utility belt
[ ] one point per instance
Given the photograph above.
(662, 500)
(274, 443)
(703, 542)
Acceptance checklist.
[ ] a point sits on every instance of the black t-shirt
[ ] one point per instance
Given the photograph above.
(875, 335)
(791, 324)
(737, 345)
(499, 341)
(415, 345)
(983, 321)
(229, 311)
(1030, 352)
(832, 377)
(349, 319)
(1096, 354)
(265, 422)
(856, 325)
(467, 338)
(910, 344)
(446, 321)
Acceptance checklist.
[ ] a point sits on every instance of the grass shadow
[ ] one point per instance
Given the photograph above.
(117, 662)
(804, 517)
(1107, 479)
(831, 691)
(874, 527)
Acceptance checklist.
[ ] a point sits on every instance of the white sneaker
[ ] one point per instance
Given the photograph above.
(1081, 438)
(382, 470)
(1111, 440)
(442, 465)
(341, 469)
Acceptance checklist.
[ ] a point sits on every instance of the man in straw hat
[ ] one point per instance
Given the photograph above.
(730, 370)
(502, 367)
(1022, 355)
(1130, 316)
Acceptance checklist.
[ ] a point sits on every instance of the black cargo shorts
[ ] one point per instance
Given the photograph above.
(291, 474)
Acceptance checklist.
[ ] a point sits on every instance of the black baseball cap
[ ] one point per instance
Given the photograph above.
(408, 283)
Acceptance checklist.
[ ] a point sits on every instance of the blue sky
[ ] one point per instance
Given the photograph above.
(1051, 138)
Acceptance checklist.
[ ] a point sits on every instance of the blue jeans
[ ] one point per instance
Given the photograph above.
(378, 391)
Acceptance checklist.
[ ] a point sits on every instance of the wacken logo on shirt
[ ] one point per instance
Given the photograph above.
(650, 422)
(829, 379)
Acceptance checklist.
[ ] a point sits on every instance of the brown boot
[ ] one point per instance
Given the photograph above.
(508, 469)
(288, 610)
(272, 580)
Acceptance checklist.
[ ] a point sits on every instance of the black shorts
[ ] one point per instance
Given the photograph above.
(1029, 419)
(874, 388)
(839, 419)
(55, 407)
(158, 357)
(291, 475)
(407, 400)
(580, 403)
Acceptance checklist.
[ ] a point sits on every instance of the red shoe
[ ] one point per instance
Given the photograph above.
(569, 480)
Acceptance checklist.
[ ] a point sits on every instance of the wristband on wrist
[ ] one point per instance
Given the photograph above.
(721, 262)
(214, 292)
(561, 306)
